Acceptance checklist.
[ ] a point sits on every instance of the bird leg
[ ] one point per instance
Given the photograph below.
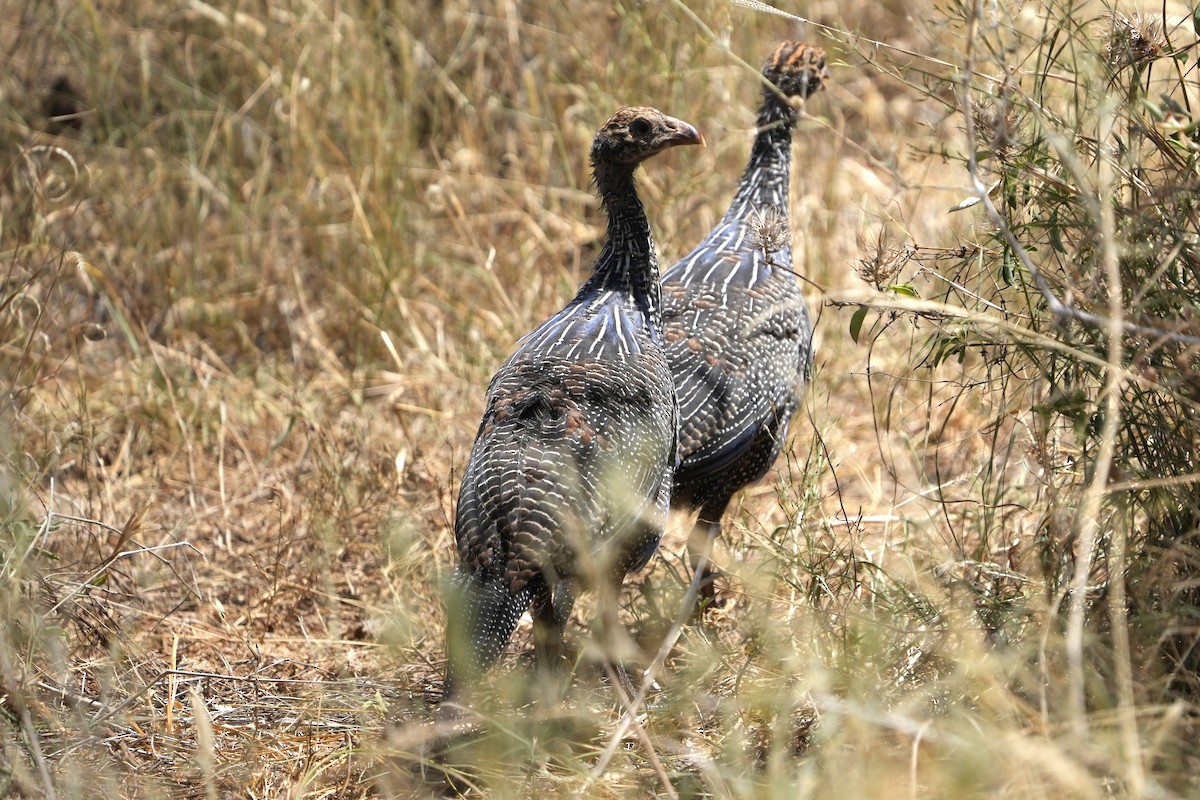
(619, 675)
(551, 610)
(610, 641)
(613, 632)
(700, 546)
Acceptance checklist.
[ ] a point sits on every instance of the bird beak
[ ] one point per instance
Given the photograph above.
(681, 133)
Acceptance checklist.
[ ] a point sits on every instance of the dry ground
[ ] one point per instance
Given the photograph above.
(255, 282)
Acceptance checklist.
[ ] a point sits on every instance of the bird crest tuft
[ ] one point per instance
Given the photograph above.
(798, 69)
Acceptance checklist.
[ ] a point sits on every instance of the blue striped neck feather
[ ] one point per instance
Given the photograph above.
(628, 264)
(765, 182)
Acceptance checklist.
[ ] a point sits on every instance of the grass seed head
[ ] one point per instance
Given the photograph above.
(1134, 40)
(883, 260)
(999, 127)
(770, 231)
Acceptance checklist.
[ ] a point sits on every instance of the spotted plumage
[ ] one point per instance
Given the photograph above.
(569, 479)
(735, 326)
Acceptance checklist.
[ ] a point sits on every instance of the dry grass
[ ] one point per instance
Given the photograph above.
(259, 262)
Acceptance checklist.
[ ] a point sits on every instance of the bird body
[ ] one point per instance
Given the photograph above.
(736, 329)
(570, 476)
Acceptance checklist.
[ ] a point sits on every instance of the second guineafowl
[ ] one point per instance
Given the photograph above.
(569, 479)
(735, 326)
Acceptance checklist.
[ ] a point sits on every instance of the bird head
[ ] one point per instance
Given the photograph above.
(636, 133)
(797, 69)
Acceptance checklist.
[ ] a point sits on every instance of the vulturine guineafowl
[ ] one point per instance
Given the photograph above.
(735, 326)
(570, 475)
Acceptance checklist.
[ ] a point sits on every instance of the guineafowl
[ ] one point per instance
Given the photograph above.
(735, 326)
(569, 479)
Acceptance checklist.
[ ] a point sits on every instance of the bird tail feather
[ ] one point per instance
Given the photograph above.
(481, 616)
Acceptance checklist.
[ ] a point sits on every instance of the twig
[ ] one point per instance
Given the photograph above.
(640, 730)
(1152, 483)
(44, 531)
(756, 5)
(197, 675)
(205, 743)
(943, 311)
(108, 562)
(914, 760)
(12, 687)
(648, 677)
(1114, 381)
(974, 295)
(73, 518)
(889, 720)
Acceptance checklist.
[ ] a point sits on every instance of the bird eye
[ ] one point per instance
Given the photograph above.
(639, 127)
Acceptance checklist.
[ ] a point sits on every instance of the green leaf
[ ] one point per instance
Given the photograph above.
(1056, 235)
(905, 289)
(856, 323)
